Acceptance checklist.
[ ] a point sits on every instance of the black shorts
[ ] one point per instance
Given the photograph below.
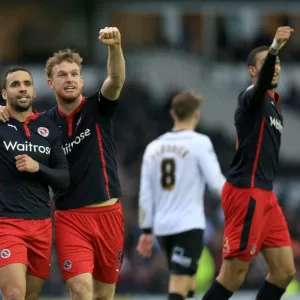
(183, 251)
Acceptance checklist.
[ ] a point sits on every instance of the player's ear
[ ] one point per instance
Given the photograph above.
(252, 71)
(4, 94)
(172, 114)
(50, 85)
(34, 93)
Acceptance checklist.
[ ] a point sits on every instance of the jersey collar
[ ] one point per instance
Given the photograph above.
(76, 110)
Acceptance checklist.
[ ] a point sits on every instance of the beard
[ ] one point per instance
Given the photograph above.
(20, 107)
(69, 99)
(273, 86)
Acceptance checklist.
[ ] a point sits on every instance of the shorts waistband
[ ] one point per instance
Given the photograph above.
(247, 189)
(92, 210)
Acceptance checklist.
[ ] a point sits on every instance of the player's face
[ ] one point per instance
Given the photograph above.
(66, 81)
(260, 58)
(19, 91)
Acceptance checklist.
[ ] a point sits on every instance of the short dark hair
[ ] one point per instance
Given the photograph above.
(251, 60)
(185, 104)
(13, 70)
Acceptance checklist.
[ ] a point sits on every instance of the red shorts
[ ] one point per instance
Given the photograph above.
(253, 220)
(90, 240)
(28, 242)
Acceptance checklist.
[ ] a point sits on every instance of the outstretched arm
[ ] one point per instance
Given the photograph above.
(253, 96)
(113, 84)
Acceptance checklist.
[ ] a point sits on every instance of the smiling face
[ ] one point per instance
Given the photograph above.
(259, 60)
(19, 91)
(66, 81)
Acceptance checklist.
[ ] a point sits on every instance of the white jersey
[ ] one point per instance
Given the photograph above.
(176, 168)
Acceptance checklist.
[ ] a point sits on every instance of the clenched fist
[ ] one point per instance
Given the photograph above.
(25, 163)
(281, 37)
(110, 36)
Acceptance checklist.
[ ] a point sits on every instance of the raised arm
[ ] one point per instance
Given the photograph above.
(254, 96)
(113, 84)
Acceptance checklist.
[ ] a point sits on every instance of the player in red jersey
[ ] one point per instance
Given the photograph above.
(31, 158)
(254, 221)
(89, 223)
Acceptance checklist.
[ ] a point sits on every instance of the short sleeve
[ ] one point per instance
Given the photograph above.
(106, 108)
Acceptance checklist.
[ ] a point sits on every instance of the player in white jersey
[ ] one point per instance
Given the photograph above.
(176, 168)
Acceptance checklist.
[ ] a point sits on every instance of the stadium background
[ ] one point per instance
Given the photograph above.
(168, 46)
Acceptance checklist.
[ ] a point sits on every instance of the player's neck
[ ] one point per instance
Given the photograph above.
(272, 91)
(68, 108)
(19, 116)
(183, 126)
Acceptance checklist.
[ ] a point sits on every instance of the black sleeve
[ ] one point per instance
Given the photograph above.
(57, 173)
(105, 107)
(253, 97)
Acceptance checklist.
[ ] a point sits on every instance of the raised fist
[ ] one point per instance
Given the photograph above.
(110, 36)
(283, 34)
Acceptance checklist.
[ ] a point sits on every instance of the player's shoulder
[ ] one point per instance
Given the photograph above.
(202, 139)
(50, 113)
(245, 92)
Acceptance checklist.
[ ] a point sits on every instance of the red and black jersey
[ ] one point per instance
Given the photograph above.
(25, 195)
(89, 145)
(259, 125)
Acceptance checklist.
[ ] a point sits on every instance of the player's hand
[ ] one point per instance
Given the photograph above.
(281, 37)
(4, 115)
(25, 163)
(145, 245)
(110, 36)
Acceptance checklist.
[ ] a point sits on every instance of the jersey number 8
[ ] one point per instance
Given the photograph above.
(168, 167)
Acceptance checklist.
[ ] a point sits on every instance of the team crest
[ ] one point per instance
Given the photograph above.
(226, 248)
(119, 259)
(43, 131)
(5, 253)
(67, 265)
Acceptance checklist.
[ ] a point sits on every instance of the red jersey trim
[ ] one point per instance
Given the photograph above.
(260, 137)
(69, 117)
(100, 143)
(275, 98)
(28, 119)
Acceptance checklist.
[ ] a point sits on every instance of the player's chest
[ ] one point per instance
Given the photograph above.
(35, 141)
(77, 132)
(273, 117)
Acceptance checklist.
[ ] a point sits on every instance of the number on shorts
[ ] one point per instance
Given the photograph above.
(168, 167)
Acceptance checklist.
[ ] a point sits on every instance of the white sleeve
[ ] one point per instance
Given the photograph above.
(210, 167)
(146, 201)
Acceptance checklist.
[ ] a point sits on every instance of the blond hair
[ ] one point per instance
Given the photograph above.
(57, 58)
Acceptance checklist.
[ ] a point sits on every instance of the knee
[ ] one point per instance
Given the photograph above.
(283, 277)
(14, 294)
(104, 294)
(232, 274)
(80, 289)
